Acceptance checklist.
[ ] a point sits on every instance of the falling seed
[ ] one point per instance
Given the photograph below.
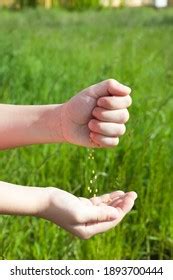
(93, 177)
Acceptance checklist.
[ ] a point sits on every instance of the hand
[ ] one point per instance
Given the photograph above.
(96, 116)
(87, 217)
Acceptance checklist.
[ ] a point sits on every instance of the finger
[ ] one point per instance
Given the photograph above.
(106, 198)
(114, 102)
(103, 141)
(116, 202)
(109, 87)
(117, 116)
(132, 194)
(106, 129)
(100, 214)
(126, 203)
(119, 201)
(95, 228)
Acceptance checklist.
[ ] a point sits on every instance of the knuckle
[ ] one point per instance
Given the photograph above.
(105, 101)
(92, 124)
(110, 83)
(98, 112)
(95, 112)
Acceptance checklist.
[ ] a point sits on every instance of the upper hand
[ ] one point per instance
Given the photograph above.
(96, 116)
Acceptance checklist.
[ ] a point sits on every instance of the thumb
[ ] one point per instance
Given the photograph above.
(108, 87)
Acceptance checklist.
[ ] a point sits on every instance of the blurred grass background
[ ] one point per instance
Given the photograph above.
(48, 56)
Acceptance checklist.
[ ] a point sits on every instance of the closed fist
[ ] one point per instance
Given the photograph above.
(96, 116)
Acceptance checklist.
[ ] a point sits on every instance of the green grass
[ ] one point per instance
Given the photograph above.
(46, 57)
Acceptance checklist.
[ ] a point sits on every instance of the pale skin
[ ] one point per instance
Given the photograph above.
(95, 117)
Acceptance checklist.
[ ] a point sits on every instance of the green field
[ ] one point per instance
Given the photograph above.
(48, 56)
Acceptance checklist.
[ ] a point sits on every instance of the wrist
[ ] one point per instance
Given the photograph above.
(45, 204)
(56, 124)
(49, 124)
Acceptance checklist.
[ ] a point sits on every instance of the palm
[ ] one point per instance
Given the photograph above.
(86, 217)
(92, 225)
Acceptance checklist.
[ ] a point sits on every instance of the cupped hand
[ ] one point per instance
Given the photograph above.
(96, 116)
(87, 217)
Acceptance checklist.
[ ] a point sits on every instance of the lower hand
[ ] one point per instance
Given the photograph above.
(87, 217)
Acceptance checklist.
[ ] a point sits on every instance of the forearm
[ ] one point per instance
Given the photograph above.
(19, 200)
(27, 125)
